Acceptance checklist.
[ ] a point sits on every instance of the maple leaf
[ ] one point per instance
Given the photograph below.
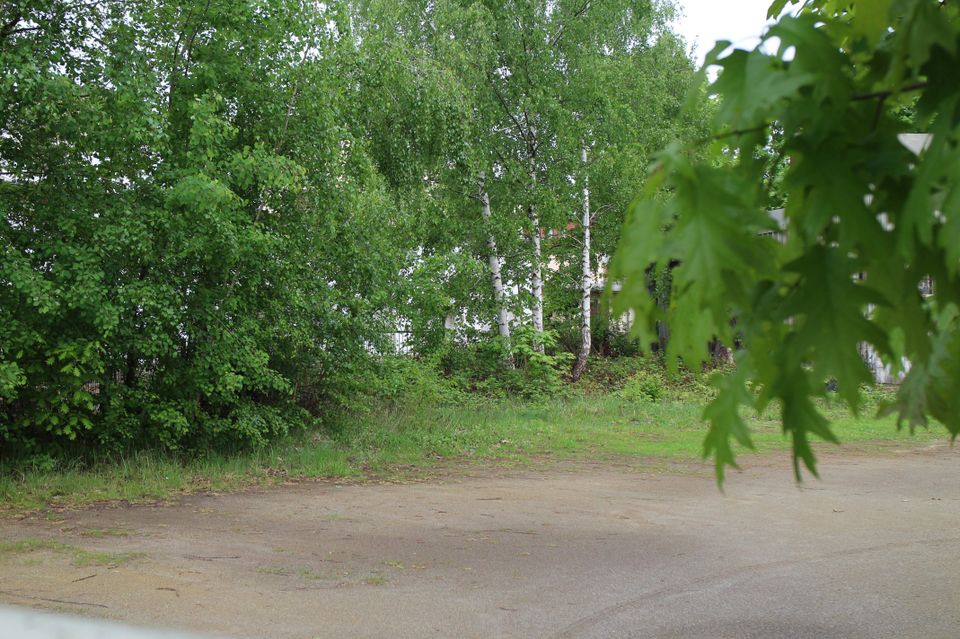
(726, 424)
(932, 387)
(830, 309)
(800, 418)
(866, 222)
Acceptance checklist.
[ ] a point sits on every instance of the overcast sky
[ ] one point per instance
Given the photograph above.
(705, 21)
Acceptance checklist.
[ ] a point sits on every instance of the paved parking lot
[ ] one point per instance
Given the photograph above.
(592, 551)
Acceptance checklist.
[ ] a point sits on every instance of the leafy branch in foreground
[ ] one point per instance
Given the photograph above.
(867, 222)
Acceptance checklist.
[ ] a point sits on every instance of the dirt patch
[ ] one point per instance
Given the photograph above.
(575, 550)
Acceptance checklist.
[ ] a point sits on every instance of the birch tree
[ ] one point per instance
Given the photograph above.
(622, 98)
(452, 159)
(493, 259)
(586, 275)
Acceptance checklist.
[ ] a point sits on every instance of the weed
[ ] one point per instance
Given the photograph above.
(643, 386)
(81, 556)
(101, 533)
(309, 573)
(391, 441)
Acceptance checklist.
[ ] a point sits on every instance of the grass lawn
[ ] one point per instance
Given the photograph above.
(391, 443)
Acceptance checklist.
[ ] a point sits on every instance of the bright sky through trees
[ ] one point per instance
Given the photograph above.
(703, 22)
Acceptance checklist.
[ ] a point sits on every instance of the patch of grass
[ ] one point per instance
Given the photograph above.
(303, 573)
(101, 533)
(151, 476)
(375, 580)
(334, 517)
(311, 574)
(397, 443)
(80, 556)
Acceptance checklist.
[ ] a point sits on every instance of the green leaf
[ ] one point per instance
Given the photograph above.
(829, 307)
(726, 424)
(799, 415)
(931, 387)
(750, 84)
(776, 8)
(870, 20)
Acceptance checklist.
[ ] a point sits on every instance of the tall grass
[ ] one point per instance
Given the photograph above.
(390, 441)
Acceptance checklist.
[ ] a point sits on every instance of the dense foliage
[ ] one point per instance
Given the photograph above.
(191, 235)
(868, 224)
(214, 213)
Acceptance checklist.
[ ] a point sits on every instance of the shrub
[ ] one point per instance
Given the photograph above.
(542, 373)
(610, 374)
(477, 366)
(644, 386)
(404, 380)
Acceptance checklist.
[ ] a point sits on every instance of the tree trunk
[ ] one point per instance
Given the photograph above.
(536, 266)
(586, 278)
(499, 296)
(496, 279)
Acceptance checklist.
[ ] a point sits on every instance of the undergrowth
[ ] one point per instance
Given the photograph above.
(645, 416)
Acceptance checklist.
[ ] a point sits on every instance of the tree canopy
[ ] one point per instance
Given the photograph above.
(868, 225)
(214, 215)
(187, 221)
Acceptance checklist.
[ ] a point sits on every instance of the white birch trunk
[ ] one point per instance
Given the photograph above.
(536, 277)
(586, 336)
(536, 266)
(499, 296)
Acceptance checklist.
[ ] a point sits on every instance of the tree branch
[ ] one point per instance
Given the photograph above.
(579, 12)
(7, 34)
(730, 134)
(883, 95)
(8, 28)
(506, 108)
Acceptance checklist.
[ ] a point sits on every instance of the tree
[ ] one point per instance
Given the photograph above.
(525, 76)
(623, 94)
(191, 241)
(866, 223)
(527, 86)
(586, 278)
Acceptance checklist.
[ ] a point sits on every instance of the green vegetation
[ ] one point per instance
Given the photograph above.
(190, 241)
(402, 442)
(80, 557)
(214, 215)
(375, 580)
(313, 575)
(870, 250)
(101, 533)
(221, 221)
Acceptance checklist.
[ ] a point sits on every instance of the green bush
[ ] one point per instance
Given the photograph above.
(647, 379)
(878, 395)
(220, 261)
(610, 374)
(613, 342)
(477, 367)
(490, 369)
(408, 381)
(541, 366)
(644, 386)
